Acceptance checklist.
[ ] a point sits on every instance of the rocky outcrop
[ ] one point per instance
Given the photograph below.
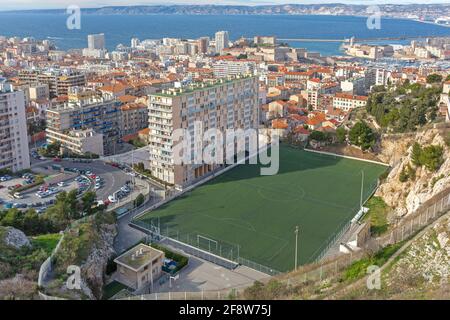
(423, 270)
(406, 197)
(93, 270)
(87, 245)
(15, 238)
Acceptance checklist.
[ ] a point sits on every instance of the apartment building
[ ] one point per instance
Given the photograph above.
(348, 102)
(223, 104)
(225, 68)
(222, 40)
(83, 141)
(85, 110)
(14, 153)
(134, 117)
(58, 81)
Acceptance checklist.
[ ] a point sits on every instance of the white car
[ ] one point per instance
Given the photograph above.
(112, 199)
(97, 186)
(61, 184)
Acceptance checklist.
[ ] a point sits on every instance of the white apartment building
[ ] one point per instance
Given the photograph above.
(78, 141)
(14, 153)
(222, 40)
(96, 41)
(225, 68)
(224, 104)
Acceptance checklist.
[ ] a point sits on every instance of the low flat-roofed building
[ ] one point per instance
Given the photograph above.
(80, 142)
(140, 266)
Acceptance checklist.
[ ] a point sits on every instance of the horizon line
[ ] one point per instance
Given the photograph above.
(224, 5)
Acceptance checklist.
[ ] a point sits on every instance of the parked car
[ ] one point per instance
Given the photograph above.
(112, 199)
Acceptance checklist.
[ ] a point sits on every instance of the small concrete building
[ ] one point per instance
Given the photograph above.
(140, 266)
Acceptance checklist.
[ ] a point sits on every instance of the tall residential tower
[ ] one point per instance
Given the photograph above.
(14, 153)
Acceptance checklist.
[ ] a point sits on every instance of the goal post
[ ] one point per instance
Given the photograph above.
(211, 243)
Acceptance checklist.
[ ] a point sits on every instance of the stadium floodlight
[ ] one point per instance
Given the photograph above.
(296, 247)
(362, 190)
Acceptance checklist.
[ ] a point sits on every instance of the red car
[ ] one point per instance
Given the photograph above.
(56, 159)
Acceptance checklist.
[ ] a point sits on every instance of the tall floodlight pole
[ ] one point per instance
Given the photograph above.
(296, 247)
(362, 189)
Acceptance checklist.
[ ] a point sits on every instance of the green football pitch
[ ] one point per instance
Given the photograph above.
(243, 213)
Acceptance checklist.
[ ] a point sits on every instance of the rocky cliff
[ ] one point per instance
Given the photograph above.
(89, 246)
(406, 197)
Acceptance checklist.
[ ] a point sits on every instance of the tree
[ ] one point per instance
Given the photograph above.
(88, 201)
(416, 154)
(13, 218)
(432, 157)
(361, 135)
(72, 201)
(32, 223)
(318, 136)
(403, 177)
(341, 134)
(139, 200)
(448, 78)
(434, 78)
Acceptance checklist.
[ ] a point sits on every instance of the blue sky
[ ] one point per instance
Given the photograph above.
(32, 4)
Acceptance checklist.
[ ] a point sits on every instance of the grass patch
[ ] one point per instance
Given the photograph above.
(359, 268)
(46, 242)
(112, 288)
(377, 215)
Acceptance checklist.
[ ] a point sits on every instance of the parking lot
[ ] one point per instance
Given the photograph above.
(112, 178)
(29, 198)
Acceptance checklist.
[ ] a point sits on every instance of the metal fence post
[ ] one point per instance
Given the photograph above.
(434, 214)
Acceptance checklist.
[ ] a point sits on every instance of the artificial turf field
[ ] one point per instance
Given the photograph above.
(319, 193)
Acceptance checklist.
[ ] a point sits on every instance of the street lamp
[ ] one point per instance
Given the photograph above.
(173, 278)
(296, 247)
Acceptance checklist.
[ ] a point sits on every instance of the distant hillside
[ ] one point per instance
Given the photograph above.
(427, 11)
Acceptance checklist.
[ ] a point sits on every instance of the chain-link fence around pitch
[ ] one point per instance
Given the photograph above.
(213, 250)
(343, 227)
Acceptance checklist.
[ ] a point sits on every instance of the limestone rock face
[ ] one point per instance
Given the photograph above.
(427, 261)
(94, 268)
(15, 238)
(406, 197)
